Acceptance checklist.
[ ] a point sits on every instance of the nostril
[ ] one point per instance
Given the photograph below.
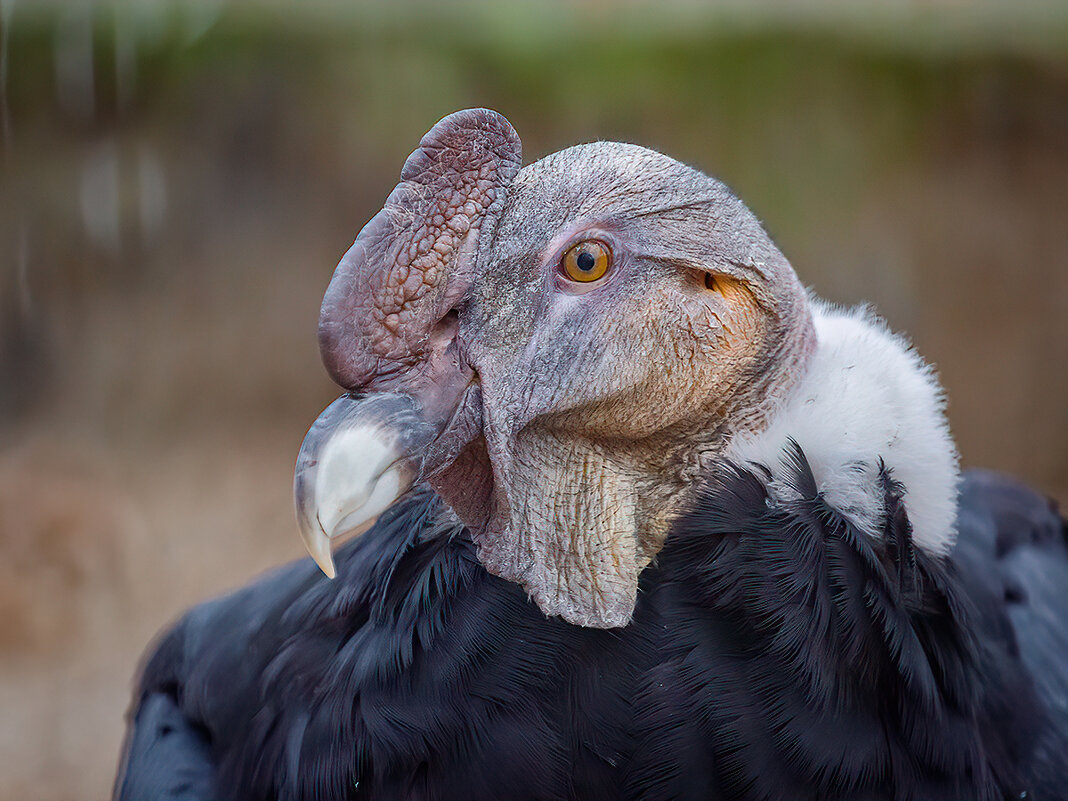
(445, 330)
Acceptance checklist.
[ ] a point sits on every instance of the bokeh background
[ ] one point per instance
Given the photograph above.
(179, 179)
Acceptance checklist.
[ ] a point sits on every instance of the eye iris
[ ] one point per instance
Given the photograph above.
(586, 261)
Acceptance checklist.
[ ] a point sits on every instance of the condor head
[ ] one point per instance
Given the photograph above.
(558, 350)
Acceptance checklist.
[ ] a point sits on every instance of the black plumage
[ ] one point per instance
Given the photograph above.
(776, 651)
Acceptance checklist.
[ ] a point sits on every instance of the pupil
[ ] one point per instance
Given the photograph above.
(585, 261)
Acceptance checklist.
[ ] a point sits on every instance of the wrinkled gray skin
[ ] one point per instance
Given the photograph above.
(572, 417)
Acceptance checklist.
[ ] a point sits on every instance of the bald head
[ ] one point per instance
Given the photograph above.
(579, 336)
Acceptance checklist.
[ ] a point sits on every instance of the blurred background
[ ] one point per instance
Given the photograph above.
(178, 180)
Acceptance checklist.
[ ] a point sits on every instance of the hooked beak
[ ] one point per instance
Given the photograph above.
(359, 456)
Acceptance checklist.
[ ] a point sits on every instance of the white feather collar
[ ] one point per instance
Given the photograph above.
(866, 396)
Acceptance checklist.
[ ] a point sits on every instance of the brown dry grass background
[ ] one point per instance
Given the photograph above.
(180, 179)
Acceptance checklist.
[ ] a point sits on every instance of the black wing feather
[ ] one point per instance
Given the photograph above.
(1012, 552)
(166, 757)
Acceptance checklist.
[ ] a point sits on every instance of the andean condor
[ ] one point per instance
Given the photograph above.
(644, 520)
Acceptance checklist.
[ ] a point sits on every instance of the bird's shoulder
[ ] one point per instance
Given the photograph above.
(240, 669)
(819, 655)
(414, 665)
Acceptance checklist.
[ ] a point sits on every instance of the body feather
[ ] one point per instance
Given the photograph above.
(777, 651)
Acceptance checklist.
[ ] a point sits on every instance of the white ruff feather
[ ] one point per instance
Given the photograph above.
(866, 396)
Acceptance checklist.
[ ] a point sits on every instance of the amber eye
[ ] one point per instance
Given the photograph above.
(586, 261)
